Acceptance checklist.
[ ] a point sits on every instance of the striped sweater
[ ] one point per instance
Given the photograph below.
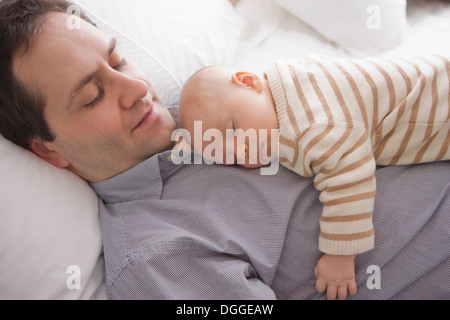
(340, 118)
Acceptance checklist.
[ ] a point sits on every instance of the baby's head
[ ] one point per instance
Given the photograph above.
(217, 100)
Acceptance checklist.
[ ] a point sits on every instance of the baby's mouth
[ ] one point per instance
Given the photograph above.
(263, 157)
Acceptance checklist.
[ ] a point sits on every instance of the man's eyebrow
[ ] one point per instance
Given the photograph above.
(86, 80)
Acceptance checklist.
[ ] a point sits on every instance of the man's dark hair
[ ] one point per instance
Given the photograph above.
(22, 108)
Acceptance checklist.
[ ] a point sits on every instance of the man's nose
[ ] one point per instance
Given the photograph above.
(131, 90)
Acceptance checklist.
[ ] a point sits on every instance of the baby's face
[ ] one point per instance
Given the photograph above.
(231, 117)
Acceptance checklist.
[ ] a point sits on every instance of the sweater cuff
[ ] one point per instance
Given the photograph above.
(337, 247)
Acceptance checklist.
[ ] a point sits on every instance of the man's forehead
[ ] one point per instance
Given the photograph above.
(59, 52)
(56, 42)
(63, 23)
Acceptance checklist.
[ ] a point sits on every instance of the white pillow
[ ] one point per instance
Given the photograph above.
(179, 36)
(363, 27)
(50, 239)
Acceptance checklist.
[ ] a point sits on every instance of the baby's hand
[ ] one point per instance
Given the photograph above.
(336, 275)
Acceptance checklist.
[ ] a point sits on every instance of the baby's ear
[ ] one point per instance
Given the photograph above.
(248, 80)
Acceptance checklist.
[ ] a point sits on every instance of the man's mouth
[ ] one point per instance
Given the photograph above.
(143, 120)
(148, 117)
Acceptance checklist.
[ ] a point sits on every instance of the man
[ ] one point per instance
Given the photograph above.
(176, 231)
(109, 78)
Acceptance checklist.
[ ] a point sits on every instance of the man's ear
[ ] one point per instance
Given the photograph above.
(248, 80)
(41, 149)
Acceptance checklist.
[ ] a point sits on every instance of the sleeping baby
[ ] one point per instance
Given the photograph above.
(335, 121)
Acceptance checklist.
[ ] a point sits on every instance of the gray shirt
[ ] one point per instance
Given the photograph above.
(219, 232)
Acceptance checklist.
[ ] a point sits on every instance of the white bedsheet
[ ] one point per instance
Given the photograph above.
(273, 33)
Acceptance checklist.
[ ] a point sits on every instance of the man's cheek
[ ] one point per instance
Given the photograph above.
(104, 134)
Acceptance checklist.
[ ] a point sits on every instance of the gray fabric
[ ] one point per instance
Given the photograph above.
(216, 232)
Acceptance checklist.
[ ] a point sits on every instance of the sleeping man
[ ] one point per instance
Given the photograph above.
(193, 231)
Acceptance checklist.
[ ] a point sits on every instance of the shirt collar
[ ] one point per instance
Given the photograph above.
(143, 181)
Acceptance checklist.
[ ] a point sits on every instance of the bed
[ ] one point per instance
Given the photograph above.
(50, 236)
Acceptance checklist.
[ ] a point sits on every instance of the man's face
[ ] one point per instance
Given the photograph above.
(104, 113)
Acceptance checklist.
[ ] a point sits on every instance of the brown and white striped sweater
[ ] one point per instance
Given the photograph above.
(340, 117)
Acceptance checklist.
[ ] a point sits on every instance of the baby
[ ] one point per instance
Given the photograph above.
(337, 120)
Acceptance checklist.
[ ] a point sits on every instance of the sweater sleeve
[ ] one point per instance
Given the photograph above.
(344, 173)
(345, 176)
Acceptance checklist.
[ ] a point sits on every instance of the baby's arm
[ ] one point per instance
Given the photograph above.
(339, 156)
(347, 186)
(344, 170)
